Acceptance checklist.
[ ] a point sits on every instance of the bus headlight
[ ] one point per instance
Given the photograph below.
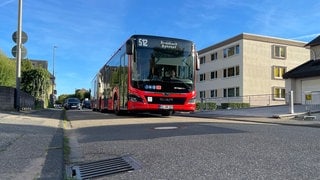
(192, 101)
(134, 98)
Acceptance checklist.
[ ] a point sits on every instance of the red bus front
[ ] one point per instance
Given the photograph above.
(161, 75)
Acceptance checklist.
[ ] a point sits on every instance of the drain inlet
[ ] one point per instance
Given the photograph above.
(103, 167)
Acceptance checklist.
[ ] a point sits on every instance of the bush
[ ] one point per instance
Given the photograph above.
(206, 106)
(234, 105)
(39, 104)
(7, 71)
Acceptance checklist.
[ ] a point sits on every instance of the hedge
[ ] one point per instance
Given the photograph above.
(234, 105)
(206, 106)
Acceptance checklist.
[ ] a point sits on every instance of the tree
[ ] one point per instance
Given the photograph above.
(82, 94)
(36, 82)
(63, 97)
(26, 65)
(7, 71)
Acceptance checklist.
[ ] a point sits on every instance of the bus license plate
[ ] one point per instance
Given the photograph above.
(165, 107)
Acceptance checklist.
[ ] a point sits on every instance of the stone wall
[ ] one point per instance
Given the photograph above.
(7, 101)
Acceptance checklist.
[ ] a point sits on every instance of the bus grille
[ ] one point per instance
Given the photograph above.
(166, 100)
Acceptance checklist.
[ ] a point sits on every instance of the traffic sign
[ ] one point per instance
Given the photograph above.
(24, 37)
(15, 49)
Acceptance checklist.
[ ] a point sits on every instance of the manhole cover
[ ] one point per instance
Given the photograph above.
(102, 167)
(166, 128)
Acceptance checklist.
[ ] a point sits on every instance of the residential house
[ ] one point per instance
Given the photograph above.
(248, 68)
(304, 80)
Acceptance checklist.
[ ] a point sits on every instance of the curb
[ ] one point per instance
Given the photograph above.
(288, 118)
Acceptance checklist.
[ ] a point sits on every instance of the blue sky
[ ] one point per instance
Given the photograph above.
(88, 32)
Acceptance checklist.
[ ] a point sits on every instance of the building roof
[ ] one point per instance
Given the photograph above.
(310, 68)
(253, 37)
(314, 42)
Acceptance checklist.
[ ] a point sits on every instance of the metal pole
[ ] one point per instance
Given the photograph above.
(53, 56)
(18, 64)
(291, 103)
(53, 76)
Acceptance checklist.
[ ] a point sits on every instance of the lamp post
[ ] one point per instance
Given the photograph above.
(53, 77)
(53, 56)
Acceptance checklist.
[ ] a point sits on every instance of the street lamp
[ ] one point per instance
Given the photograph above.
(53, 56)
(53, 77)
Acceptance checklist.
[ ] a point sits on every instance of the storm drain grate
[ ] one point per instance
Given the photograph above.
(103, 167)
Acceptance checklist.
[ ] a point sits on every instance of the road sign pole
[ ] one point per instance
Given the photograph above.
(18, 63)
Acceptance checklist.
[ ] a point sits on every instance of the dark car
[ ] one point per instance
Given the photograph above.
(86, 104)
(72, 103)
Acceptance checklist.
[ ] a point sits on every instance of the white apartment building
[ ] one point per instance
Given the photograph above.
(248, 68)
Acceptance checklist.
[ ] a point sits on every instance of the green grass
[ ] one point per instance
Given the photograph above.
(66, 149)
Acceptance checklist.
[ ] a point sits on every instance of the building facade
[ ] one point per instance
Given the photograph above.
(248, 68)
(304, 80)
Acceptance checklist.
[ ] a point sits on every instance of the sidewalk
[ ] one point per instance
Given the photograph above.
(271, 114)
(31, 145)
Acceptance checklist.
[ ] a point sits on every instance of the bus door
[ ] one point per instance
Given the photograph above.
(123, 81)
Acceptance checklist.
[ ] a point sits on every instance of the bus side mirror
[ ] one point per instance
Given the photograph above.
(129, 47)
(197, 61)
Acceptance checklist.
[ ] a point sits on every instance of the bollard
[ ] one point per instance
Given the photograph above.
(291, 106)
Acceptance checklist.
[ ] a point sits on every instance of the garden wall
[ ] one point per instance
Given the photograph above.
(7, 101)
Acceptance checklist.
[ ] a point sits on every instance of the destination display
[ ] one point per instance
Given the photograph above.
(163, 44)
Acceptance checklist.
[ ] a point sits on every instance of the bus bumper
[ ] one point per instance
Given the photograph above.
(161, 107)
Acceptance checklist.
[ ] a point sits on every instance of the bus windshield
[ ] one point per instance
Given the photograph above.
(163, 69)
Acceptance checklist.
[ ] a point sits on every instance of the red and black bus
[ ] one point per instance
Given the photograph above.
(148, 74)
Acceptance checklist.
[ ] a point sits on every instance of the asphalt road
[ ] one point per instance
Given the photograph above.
(195, 148)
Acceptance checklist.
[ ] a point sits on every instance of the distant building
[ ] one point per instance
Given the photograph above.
(304, 80)
(39, 63)
(248, 68)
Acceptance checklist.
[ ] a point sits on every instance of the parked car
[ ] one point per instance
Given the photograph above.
(86, 104)
(72, 103)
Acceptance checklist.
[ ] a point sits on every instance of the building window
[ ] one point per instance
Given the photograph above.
(225, 53)
(230, 51)
(237, 70)
(279, 52)
(214, 74)
(237, 49)
(214, 56)
(225, 93)
(231, 71)
(202, 77)
(279, 93)
(278, 72)
(202, 60)
(202, 94)
(231, 92)
(213, 93)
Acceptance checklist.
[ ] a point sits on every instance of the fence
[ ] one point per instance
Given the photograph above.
(252, 100)
(312, 101)
(7, 99)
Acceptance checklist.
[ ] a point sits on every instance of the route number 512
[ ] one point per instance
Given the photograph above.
(143, 42)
